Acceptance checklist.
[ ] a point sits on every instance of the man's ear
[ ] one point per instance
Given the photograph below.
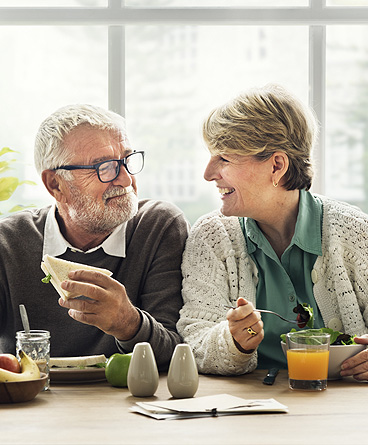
(54, 184)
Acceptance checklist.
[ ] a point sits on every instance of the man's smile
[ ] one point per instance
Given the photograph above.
(116, 192)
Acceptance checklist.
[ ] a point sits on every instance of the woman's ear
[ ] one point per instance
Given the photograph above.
(54, 184)
(280, 165)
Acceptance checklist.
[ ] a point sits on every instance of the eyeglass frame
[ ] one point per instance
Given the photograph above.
(97, 166)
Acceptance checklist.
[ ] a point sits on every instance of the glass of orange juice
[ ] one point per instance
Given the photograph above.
(307, 358)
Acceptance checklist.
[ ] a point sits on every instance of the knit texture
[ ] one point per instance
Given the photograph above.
(217, 270)
(150, 272)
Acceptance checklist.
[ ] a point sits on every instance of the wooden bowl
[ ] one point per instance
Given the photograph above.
(16, 392)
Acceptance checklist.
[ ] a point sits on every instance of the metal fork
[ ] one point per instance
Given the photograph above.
(267, 312)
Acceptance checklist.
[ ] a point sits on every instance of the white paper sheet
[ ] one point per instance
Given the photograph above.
(208, 406)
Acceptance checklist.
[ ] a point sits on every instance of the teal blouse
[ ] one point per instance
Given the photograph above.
(285, 282)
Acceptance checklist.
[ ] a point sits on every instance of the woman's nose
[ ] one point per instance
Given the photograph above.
(211, 173)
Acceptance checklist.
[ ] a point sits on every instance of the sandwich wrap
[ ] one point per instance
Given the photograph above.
(57, 270)
(77, 362)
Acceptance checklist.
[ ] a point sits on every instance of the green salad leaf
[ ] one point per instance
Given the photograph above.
(47, 278)
(96, 365)
(100, 365)
(305, 315)
(336, 337)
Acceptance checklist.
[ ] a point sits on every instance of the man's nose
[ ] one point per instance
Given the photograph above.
(124, 179)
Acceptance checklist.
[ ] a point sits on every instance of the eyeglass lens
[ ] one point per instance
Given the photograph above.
(109, 170)
(134, 163)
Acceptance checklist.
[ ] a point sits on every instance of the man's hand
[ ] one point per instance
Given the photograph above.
(107, 307)
(245, 326)
(357, 366)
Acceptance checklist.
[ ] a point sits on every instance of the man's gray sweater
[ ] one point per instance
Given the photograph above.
(150, 272)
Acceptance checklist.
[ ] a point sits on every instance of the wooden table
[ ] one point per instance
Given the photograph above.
(99, 414)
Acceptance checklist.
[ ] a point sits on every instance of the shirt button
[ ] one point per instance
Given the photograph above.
(335, 324)
(292, 298)
(314, 276)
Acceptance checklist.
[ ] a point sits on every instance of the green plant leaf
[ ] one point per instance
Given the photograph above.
(6, 150)
(7, 187)
(9, 184)
(5, 165)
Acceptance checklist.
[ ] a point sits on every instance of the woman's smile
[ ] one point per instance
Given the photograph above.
(224, 191)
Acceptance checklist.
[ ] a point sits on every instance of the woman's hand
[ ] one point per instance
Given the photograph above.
(357, 366)
(245, 326)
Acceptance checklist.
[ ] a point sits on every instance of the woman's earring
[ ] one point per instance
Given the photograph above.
(275, 184)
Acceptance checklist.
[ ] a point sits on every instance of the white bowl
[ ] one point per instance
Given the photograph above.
(338, 354)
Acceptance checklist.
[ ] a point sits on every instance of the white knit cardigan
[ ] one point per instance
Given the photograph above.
(217, 270)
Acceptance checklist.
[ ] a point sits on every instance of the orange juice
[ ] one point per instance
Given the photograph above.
(307, 364)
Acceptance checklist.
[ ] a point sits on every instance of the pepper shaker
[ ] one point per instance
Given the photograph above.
(142, 373)
(182, 378)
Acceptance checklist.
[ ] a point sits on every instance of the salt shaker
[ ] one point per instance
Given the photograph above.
(142, 373)
(182, 378)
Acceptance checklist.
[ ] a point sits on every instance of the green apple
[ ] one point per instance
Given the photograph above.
(117, 369)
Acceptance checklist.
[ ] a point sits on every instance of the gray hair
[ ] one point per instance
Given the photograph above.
(50, 151)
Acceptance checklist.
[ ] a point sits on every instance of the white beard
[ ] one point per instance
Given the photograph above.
(94, 217)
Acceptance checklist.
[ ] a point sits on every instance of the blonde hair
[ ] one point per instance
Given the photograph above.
(262, 121)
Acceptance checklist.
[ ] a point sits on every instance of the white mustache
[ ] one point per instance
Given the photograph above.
(116, 191)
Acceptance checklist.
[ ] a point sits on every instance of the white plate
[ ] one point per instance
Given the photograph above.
(76, 375)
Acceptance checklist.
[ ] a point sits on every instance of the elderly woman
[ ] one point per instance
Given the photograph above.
(272, 245)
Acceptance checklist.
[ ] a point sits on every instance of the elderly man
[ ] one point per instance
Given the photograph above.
(87, 164)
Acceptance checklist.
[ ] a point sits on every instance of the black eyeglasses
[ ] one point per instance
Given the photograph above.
(107, 171)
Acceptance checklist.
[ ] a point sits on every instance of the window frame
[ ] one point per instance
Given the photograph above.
(116, 15)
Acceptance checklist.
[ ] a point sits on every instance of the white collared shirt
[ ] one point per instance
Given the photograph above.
(54, 244)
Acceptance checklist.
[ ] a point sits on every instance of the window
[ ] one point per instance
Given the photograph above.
(44, 68)
(164, 64)
(188, 71)
(346, 114)
(214, 3)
